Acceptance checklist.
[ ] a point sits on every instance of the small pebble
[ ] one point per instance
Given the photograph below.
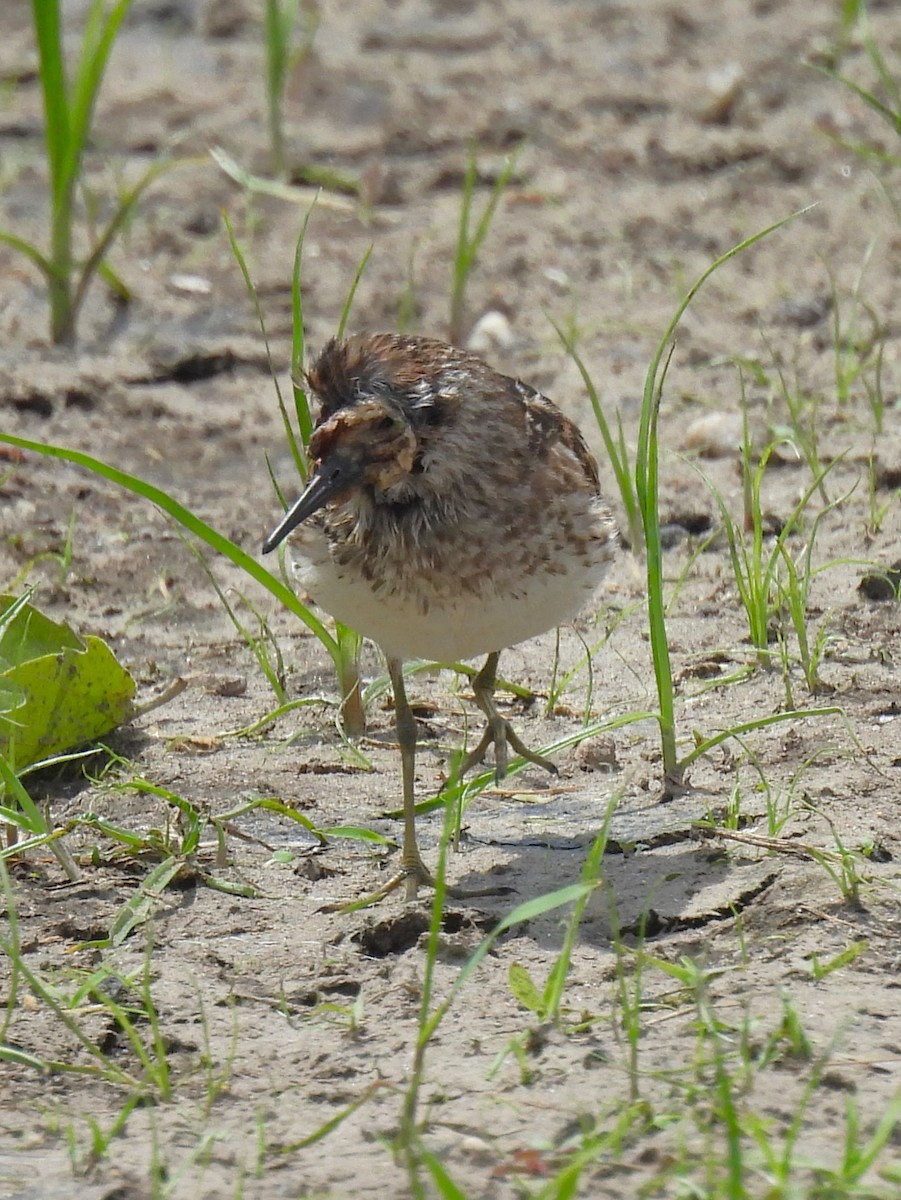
(598, 754)
(194, 285)
(558, 278)
(715, 435)
(223, 685)
(491, 332)
(803, 312)
(723, 89)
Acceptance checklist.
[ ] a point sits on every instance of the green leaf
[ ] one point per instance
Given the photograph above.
(57, 691)
(26, 634)
(144, 902)
(358, 833)
(521, 985)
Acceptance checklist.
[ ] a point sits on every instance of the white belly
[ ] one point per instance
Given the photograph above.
(444, 628)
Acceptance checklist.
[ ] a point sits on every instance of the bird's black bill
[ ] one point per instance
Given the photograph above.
(330, 479)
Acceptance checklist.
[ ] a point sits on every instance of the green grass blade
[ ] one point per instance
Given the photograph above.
(32, 253)
(333, 1122)
(504, 176)
(528, 911)
(107, 1068)
(469, 244)
(142, 904)
(274, 805)
(100, 33)
(46, 15)
(297, 451)
(706, 744)
(444, 1185)
(646, 484)
(298, 358)
(68, 112)
(123, 211)
(591, 879)
(646, 487)
(26, 815)
(13, 950)
(193, 524)
(887, 114)
(462, 259)
(616, 449)
(273, 187)
(358, 275)
(276, 66)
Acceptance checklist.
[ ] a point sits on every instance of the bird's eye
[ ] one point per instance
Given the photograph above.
(383, 424)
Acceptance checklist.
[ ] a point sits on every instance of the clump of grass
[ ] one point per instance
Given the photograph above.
(547, 1002)
(26, 819)
(284, 51)
(135, 1020)
(858, 338)
(756, 558)
(882, 95)
(646, 491)
(98, 1140)
(754, 567)
(68, 114)
(470, 238)
(408, 1143)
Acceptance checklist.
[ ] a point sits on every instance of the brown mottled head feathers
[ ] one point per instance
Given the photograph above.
(385, 366)
(426, 382)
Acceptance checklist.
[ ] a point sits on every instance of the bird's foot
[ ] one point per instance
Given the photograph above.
(501, 733)
(413, 875)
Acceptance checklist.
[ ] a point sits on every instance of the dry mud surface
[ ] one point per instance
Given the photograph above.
(656, 135)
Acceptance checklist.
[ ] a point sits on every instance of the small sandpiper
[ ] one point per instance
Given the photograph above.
(451, 512)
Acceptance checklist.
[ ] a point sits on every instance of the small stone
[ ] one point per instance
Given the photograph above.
(803, 312)
(723, 89)
(223, 685)
(598, 754)
(194, 285)
(715, 435)
(558, 278)
(491, 332)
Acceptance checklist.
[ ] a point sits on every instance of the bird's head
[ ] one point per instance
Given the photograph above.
(384, 400)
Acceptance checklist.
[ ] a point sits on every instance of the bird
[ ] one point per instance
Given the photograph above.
(451, 511)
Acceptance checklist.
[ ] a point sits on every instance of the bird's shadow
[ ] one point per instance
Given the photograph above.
(658, 872)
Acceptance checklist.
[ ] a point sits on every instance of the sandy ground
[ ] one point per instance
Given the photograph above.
(654, 135)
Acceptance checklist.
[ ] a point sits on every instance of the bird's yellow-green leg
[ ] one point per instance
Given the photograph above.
(414, 871)
(498, 730)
